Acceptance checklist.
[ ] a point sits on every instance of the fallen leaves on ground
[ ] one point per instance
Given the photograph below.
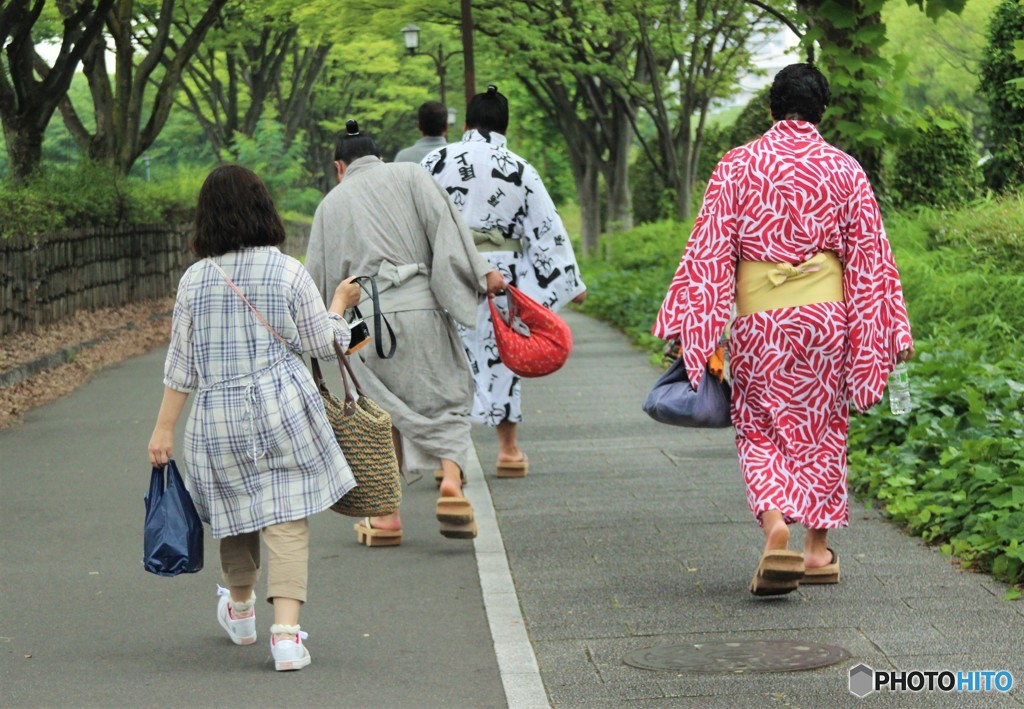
(150, 327)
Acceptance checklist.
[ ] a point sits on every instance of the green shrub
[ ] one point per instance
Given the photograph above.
(652, 199)
(171, 200)
(24, 210)
(88, 195)
(991, 231)
(754, 120)
(952, 471)
(750, 124)
(963, 270)
(942, 295)
(651, 245)
(717, 142)
(626, 286)
(278, 162)
(937, 166)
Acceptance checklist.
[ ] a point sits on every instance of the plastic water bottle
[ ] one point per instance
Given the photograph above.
(899, 390)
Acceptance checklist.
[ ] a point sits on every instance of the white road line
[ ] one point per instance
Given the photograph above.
(516, 661)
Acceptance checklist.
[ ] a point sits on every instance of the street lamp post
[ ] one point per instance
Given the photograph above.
(412, 43)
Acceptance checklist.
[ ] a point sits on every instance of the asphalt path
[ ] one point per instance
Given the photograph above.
(626, 535)
(83, 625)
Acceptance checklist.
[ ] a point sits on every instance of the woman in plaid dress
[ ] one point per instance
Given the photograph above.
(259, 453)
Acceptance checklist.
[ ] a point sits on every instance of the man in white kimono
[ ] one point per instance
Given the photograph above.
(516, 227)
(391, 221)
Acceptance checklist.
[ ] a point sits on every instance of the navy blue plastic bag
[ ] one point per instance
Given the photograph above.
(173, 531)
(673, 400)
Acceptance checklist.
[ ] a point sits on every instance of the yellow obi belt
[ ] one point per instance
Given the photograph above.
(764, 286)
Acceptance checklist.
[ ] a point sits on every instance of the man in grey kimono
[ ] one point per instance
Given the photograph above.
(393, 222)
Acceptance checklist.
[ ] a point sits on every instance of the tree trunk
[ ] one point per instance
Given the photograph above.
(24, 148)
(674, 175)
(684, 196)
(584, 158)
(27, 104)
(620, 197)
(684, 193)
(307, 65)
(121, 135)
(588, 193)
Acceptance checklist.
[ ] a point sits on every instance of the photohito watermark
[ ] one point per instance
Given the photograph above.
(864, 680)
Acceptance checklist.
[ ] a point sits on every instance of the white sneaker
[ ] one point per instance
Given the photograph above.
(242, 631)
(290, 653)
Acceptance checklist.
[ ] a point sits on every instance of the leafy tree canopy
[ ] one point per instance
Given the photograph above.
(941, 56)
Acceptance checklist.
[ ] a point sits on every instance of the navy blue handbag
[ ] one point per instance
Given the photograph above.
(173, 531)
(673, 400)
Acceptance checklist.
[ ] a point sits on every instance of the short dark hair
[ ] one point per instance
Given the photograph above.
(352, 145)
(235, 210)
(432, 118)
(488, 111)
(800, 90)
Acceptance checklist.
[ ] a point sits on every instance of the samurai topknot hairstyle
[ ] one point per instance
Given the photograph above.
(352, 145)
(488, 111)
(800, 90)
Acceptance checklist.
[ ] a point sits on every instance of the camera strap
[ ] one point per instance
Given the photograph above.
(379, 321)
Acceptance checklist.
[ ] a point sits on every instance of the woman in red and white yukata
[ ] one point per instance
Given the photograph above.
(790, 233)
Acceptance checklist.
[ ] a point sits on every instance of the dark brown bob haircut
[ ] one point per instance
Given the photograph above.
(235, 210)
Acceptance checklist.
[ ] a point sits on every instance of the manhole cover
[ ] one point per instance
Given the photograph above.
(735, 657)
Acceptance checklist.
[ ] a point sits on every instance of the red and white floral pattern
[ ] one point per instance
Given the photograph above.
(783, 198)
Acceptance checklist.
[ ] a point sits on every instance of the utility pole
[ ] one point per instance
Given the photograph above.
(439, 62)
(467, 48)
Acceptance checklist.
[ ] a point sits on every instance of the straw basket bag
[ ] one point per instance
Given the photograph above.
(363, 430)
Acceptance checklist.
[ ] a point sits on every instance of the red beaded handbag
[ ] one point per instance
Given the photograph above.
(532, 340)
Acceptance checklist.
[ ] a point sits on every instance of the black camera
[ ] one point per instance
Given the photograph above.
(360, 336)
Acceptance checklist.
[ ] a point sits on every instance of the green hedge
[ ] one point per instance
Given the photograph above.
(953, 470)
(938, 164)
(1000, 84)
(963, 270)
(86, 194)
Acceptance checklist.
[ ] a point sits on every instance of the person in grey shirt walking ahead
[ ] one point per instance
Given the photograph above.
(432, 120)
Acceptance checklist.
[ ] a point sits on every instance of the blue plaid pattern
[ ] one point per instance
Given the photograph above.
(258, 447)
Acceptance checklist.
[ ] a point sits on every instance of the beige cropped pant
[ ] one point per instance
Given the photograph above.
(287, 559)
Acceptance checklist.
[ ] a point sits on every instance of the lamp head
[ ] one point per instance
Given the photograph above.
(412, 38)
